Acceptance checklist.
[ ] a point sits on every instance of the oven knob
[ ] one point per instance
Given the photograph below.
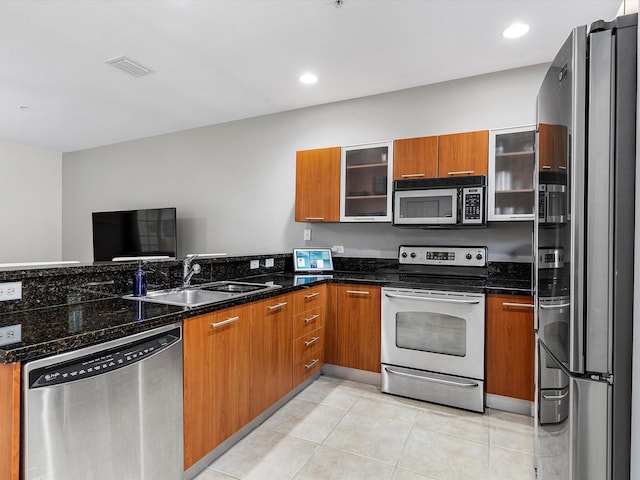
(413, 254)
(479, 256)
(404, 254)
(468, 256)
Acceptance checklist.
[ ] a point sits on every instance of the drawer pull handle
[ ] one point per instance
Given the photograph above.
(313, 362)
(412, 175)
(555, 306)
(276, 306)
(546, 167)
(310, 319)
(524, 305)
(315, 219)
(357, 292)
(462, 172)
(308, 343)
(225, 322)
(310, 296)
(555, 397)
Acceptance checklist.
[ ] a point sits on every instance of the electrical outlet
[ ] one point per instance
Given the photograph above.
(10, 291)
(307, 234)
(10, 334)
(253, 264)
(268, 262)
(337, 249)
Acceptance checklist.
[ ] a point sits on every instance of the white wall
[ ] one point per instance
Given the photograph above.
(234, 184)
(30, 203)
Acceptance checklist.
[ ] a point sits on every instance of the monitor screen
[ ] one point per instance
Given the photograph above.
(134, 233)
(312, 260)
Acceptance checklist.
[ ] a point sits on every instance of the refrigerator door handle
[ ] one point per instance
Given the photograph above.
(598, 313)
(576, 214)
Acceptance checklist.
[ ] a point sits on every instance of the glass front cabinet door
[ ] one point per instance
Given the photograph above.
(511, 170)
(366, 183)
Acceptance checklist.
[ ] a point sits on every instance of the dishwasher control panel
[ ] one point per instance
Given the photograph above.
(454, 256)
(102, 362)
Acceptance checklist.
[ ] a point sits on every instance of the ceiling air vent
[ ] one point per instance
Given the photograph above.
(127, 65)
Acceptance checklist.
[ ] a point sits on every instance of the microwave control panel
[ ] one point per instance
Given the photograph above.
(472, 205)
(455, 256)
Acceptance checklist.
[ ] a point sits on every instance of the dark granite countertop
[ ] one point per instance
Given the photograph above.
(95, 317)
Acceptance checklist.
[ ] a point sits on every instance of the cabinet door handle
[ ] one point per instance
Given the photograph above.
(562, 168)
(412, 175)
(276, 306)
(225, 322)
(308, 343)
(509, 304)
(555, 306)
(315, 219)
(310, 296)
(313, 362)
(546, 167)
(357, 292)
(310, 319)
(462, 172)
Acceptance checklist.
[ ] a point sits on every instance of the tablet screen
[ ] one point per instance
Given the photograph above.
(312, 260)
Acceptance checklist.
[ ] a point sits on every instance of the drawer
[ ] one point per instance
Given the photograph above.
(309, 321)
(307, 366)
(309, 298)
(309, 343)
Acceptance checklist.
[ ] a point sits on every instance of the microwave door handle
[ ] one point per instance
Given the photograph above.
(442, 300)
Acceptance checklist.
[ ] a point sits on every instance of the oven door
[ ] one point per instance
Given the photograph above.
(435, 331)
(426, 207)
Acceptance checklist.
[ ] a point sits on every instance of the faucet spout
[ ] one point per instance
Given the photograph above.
(189, 268)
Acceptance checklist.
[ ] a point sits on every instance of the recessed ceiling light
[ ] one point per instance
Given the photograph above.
(516, 30)
(308, 78)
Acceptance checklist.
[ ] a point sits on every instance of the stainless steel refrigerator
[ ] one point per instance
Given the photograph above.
(585, 250)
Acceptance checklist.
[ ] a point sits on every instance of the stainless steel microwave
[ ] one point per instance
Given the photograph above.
(440, 202)
(552, 197)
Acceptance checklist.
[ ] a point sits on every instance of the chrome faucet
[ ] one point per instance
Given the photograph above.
(189, 269)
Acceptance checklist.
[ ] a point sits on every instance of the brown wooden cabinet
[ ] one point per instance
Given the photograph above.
(461, 154)
(271, 373)
(358, 327)
(318, 185)
(308, 332)
(415, 158)
(552, 148)
(510, 346)
(216, 379)
(10, 424)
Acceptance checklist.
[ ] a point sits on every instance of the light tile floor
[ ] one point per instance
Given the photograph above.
(338, 429)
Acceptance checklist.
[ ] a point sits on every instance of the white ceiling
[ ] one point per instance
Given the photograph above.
(216, 61)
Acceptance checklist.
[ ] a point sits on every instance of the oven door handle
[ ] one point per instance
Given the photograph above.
(432, 379)
(443, 300)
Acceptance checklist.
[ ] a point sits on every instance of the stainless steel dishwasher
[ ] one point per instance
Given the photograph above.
(106, 412)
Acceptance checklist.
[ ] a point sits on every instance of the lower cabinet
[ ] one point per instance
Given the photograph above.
(10, 424)
(271, 374)
(216, 379)
(358, 327)
(510, 346)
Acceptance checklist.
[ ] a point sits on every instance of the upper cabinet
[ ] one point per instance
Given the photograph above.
(365, 183)
(511, 171)
(318, 185)
(463, 154)
(415, 158)
(553, 141)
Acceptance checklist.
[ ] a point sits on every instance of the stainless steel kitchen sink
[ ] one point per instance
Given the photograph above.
(205, 294)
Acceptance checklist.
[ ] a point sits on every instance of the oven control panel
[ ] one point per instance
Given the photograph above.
(455, 256)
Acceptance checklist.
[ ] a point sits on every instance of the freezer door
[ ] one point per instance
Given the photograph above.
(573, 429)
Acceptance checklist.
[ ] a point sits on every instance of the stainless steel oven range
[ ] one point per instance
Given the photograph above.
(433, 334)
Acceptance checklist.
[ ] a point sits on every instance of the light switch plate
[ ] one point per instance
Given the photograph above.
(268, 262)
(254, 264)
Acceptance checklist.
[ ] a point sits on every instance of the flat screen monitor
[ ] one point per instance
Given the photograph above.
(134, 233)
(312, 260)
